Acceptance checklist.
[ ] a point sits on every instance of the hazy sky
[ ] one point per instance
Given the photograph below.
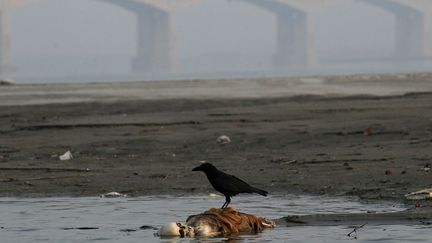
(214, 34)
(91, 27)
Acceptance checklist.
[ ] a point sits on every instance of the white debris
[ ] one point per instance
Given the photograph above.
(420, 195)
(66, 156)
(214, 195)
(224, 139)
(112, 195)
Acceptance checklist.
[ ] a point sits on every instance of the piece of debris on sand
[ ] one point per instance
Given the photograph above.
(224, 139)
(66, 156)
(112, 195)
(420, 195)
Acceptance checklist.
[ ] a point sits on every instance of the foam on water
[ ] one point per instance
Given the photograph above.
(119, 219)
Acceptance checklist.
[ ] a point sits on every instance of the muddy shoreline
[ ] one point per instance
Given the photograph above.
(373, 147)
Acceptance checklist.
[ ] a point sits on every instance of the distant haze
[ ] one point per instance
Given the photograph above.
(84, 40)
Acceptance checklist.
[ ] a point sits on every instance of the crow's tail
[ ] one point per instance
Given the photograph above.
(259, 191)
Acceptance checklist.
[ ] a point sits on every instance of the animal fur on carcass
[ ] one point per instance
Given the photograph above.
(217, 222)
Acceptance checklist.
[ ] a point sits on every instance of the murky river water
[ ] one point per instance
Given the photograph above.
(119, 219)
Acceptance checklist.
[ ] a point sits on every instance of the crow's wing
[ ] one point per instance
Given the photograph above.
(230, 185)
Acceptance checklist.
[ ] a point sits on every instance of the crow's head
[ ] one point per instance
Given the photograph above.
(205, 167)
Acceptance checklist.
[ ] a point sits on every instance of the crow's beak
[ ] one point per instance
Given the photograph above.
(198, 168)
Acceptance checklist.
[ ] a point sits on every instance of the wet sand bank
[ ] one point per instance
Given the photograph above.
(336, 143)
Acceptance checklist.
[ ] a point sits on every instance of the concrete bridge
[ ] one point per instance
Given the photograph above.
(295, 37)
(295, 28)
(156, 49)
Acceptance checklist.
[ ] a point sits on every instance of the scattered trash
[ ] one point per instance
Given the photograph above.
(214, 195)
(66, 156)
(112, 195)
(367, 131)
(420, 195)
(427, 168)
(353, 233)
(224, 139)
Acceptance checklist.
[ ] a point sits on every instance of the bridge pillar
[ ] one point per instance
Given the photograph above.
(295, 45)
(155, 42)
(412, 27)
(5, 41)
(295, 27)
(412, 35)
(428, 35)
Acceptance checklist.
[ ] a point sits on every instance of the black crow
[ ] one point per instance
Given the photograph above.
(226, 184)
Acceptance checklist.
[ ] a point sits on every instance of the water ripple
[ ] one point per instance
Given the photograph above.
(119, 219)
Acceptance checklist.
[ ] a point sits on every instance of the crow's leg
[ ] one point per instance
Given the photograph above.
(223, 206)
(227, 201)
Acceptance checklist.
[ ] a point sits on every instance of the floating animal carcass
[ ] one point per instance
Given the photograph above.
(216, 222)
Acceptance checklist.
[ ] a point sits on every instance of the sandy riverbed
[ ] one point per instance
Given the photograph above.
(311, 135)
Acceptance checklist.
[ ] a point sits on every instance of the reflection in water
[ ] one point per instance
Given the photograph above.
(136, 219)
